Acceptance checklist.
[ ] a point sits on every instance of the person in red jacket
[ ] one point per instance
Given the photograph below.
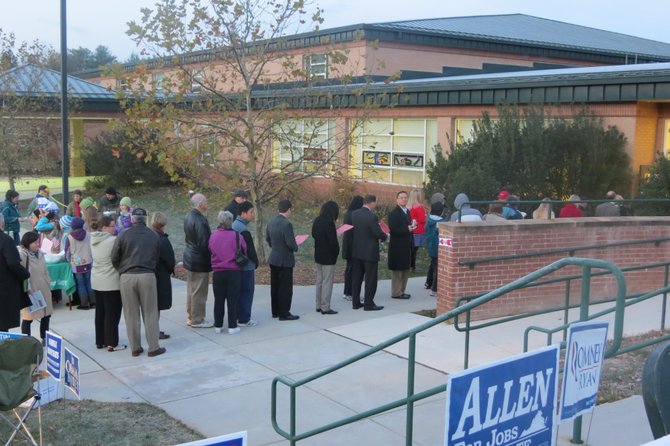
(417, 213)
(571, 210)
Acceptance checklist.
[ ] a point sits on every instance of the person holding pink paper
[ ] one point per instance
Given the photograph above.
(279, 235)
(326, 250)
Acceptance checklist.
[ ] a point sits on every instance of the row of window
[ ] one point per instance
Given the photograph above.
(315, 66)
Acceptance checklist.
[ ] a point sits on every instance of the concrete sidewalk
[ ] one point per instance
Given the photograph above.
(220, 383)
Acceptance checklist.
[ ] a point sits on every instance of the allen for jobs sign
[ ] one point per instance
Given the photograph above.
(509, 403)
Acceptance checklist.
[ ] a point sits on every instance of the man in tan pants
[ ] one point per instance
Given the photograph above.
(135, 256)
(197, 262)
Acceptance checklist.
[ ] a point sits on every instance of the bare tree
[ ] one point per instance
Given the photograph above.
(234, 102)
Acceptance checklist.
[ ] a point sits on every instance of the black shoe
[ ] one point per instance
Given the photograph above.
(318, 310)
(275, 316)
(373, 308)
(329, 312)
(406, 296)
(163, 335)
(427, 286)
(402, 296)
(83, 307)
(356, 306)
(289, 317)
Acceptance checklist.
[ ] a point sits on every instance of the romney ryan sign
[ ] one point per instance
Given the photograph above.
(511, 402)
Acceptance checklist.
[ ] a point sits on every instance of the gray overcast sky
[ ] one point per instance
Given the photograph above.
(97, 22)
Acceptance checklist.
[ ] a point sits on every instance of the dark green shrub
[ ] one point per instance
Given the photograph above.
(120, 160)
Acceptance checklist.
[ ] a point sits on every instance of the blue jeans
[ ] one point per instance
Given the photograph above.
(83, 280)
(246, 296)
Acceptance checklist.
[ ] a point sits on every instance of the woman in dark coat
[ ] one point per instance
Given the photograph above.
(12, 275)
(166, 265)
(326, 250)
(347, 242)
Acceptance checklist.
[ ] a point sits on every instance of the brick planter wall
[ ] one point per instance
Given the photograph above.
(472, 241)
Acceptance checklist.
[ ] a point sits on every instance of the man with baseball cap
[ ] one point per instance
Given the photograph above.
(239, 197)
(135, 256)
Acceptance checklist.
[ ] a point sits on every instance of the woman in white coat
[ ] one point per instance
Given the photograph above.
(106, 286)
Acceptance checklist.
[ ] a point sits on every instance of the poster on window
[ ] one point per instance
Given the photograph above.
(314, 154)
(407, 160)
(376, 158)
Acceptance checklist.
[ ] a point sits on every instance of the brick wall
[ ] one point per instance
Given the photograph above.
(472, 241)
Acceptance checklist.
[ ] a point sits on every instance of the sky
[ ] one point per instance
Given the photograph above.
(103, 22)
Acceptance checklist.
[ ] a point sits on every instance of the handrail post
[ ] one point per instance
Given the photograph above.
(292, 440)
(409, 429)
(583, 315)
(466, 353)
(665, 299)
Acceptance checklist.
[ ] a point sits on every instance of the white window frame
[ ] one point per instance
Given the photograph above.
(316, 69)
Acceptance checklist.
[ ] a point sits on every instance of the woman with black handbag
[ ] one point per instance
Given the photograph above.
(228, 251)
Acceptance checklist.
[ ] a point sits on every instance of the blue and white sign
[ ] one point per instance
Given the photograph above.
(72, 372)
(236, 439)
(511, 402)
(54, 344)
(584, 357)
(7, 335)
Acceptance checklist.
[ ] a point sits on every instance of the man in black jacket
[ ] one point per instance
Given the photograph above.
(239, 196)
(135, 256)
(365, 254)
(400, 246)
(197, 262)
(248, 271)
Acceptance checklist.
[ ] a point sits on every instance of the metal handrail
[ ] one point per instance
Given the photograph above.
(412, 397)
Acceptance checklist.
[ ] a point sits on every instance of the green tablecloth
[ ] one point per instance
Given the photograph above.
(61, 277)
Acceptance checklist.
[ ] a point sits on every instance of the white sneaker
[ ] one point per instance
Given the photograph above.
(347, 298)
(218, 330)
(203, 324)
(433, 294)
(234, 330)
(251, 323)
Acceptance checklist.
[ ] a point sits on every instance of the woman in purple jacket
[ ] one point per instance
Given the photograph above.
(226, 277)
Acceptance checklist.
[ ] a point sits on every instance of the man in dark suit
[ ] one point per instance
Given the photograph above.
(365, 253)
(280, 237)
(400, 246)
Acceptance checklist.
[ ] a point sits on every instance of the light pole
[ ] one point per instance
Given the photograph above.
(63, 100)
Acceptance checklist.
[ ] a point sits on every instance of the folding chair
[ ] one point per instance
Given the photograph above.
(20, 361)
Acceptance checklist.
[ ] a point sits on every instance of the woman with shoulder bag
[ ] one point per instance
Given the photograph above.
(33, 260)
(225, 245)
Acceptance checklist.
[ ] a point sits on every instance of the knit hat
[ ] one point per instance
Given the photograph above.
(126, 201)
(86, 203)
(139, 212)
(65, 222)
(77, 223)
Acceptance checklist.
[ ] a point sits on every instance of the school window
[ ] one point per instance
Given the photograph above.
(316, 66)
(121, 84)
(303, 144)
(393, 150)
(196, 81)
(158, 80)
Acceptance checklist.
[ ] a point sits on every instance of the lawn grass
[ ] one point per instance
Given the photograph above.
(92, 423)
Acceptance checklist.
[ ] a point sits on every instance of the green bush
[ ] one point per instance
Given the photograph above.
(116, 159)
(656, 185)
(533, 155)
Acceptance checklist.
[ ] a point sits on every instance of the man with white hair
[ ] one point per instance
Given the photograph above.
(12, 275)
(197, 262)
(135, 256)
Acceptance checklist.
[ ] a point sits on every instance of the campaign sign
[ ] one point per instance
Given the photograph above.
(7, 335)
(54, 346)
(236, 439)
(584, 357)
(72, 372)
(511, 402)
